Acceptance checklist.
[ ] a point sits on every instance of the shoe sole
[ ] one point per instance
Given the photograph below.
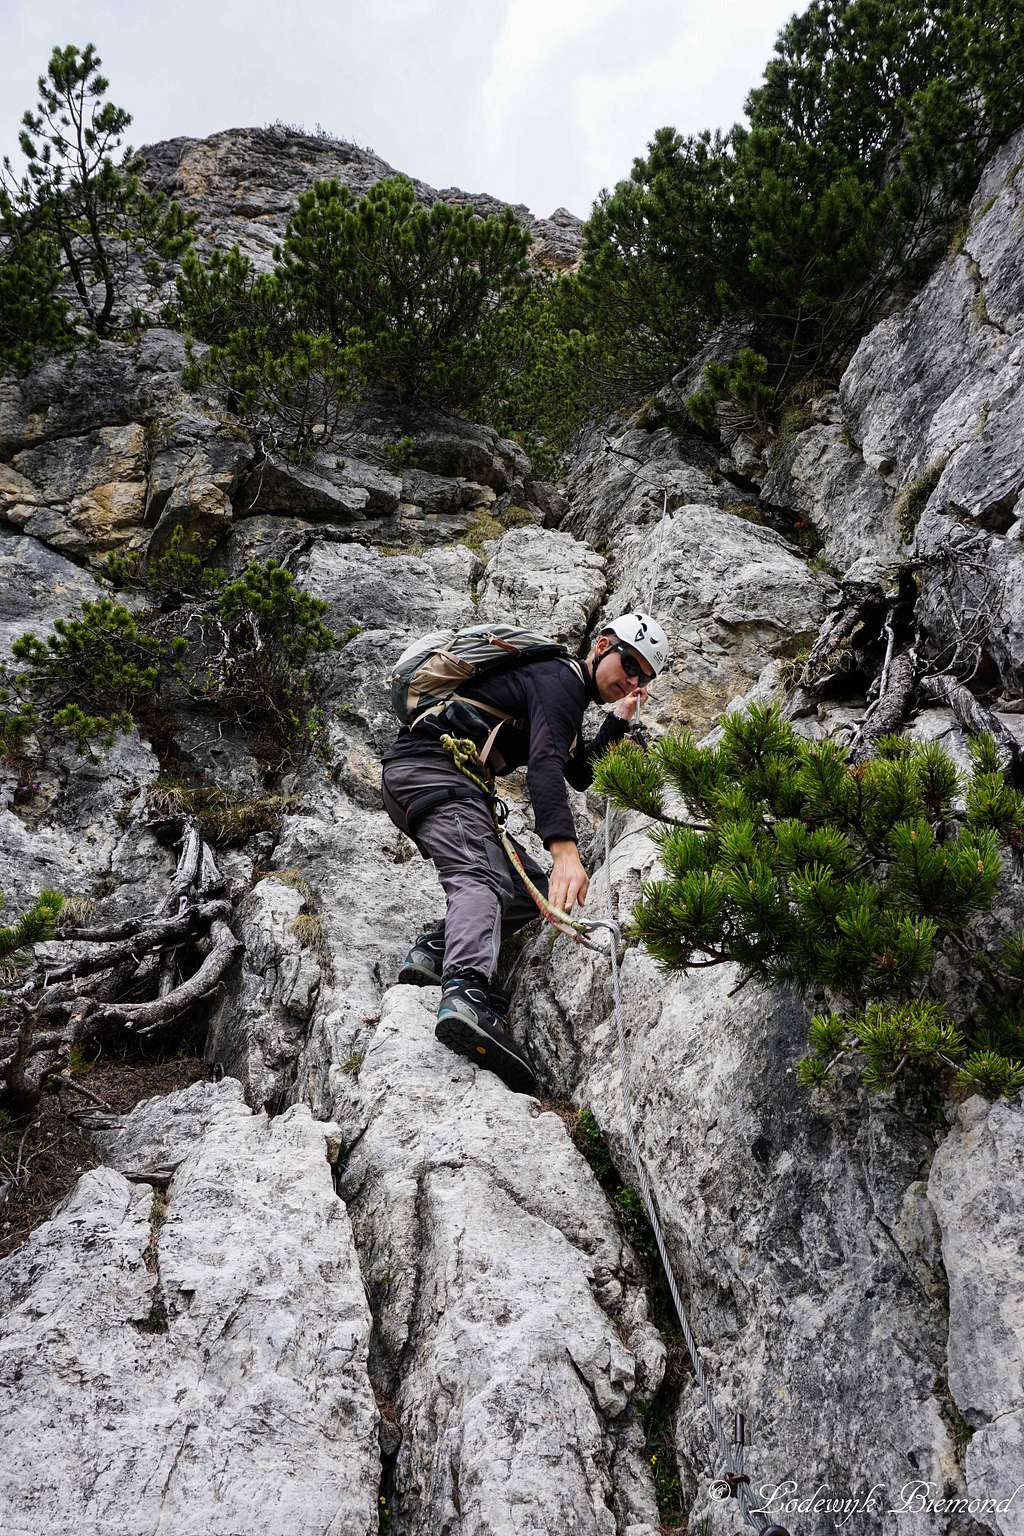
(414, 976)
(467, 1039)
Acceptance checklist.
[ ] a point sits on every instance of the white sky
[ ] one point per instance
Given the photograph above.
(541, 102)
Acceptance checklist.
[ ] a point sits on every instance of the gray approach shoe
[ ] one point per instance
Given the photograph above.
(423, 966)
(468, 1025)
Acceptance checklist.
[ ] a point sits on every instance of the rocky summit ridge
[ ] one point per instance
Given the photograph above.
(348, 1283)
(243, 183)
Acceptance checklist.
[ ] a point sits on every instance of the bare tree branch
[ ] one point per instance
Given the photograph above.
(975, 719)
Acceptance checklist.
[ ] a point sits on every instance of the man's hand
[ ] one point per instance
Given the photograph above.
(626, 708)
(568, 882)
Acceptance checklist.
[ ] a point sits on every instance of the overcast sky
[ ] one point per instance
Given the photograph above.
(541, 102)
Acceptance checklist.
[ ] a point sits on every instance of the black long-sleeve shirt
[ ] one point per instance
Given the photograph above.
(549, 699)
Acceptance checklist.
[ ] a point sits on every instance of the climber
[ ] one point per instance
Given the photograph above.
(540, 706)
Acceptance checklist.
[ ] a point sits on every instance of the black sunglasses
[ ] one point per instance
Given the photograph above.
(630, 665)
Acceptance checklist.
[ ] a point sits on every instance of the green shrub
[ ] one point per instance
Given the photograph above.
(424, 288)
(33, 317)
(36, 924)
(803, 868)
(176, 571)
(400, 455)
(77, 214)
(85, 681)
(741, 383)
(377, 291)
(253, 637)
(865, 140)
(262, 680)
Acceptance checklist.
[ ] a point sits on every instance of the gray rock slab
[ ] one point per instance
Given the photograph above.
(508, 1332)
(160, 1133)
(849, 504)
(974, 1186)
(402, 592)
(543, 579)
(932, 384)
(107, 385)
(82, 832)
(438, 444)
(801, 1233)
(195, 1367)
(731, 594)
(374, 894)
(261, 1022)
(37, 586)
(619, 479)
(328, 490)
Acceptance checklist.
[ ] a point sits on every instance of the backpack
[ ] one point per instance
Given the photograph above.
(429, 672)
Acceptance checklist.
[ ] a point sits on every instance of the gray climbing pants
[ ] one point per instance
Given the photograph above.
(487, 900)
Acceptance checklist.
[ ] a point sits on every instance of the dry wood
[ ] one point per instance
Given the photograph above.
(973, 718)
(127, 980)
(890, 708)
(831, 652)
(152, 933)
(163, 1009)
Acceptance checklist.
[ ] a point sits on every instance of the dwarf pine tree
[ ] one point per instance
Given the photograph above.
(253, 638)
(263, 679)
(36, 924)
(33, 316)
(84, 682)
(79, 205)
(801, 867)
(376, 292)
(863, 143)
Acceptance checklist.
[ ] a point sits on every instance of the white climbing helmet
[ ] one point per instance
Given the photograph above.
(644, 634)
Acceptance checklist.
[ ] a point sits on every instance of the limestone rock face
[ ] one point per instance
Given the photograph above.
(326, 492)
(618, 484)
(803, 1240)
(255, 1034)
(543, 580)
(934, 396)
(935, 381)
(156, 1137)
(511, 1337)
(731, 594)
(972, 1186)
(822, 475)
(71, 822)
(99, 483)
(930, 426)
(209, 1352)
(557, 241)
(104, 449)
(244, 183)
(37, 586)
(853, 1291)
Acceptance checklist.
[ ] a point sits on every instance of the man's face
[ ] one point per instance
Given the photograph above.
(621, 670)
